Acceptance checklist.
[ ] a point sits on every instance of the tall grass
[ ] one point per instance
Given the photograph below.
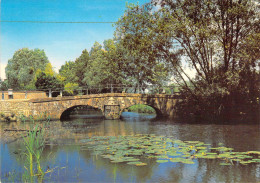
(34, 143)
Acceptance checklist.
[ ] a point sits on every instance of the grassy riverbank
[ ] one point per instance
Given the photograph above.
(140, 108)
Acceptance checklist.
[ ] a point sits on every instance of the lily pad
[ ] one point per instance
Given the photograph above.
(225, 164)
(253, 152)
(176, 160)
(187, 161)
(256, 160)
(163, 149)
(134, 163)
(141, 164)
(161, 161)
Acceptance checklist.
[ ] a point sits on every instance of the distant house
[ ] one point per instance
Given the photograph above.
(23, 95)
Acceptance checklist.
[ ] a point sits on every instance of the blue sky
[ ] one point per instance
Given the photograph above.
(61, 42)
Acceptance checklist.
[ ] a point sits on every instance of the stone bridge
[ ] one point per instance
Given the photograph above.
(111, 105)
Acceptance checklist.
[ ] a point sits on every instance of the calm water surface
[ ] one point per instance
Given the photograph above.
(70, 163)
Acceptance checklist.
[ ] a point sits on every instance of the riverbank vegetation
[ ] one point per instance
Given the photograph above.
(154, 44)
(141, 109)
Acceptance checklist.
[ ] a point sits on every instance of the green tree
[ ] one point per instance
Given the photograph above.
(218, 39)
(102, 68)
(45, 82)
(67, 71)
(49, 70)
(3, 85)
(213, 37)
(114, 71)
(81, 64)
(136, 40)
(94, 73)
(70, 88)
(21, 69)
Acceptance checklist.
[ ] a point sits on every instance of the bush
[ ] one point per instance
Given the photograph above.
(140, 108)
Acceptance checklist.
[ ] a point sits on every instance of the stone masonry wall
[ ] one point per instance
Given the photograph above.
(14, 108)
(55, 108)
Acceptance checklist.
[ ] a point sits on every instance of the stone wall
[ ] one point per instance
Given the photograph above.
(22, 94)
(12, 109)
(111, 105)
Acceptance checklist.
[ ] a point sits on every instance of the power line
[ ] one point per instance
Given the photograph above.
(54, 22)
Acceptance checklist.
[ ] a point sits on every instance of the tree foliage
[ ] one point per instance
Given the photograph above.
(21, 69)
(102, 68)
(219, 39)
(67, 72)
(136, 38)
(45, 82)
(81, 64)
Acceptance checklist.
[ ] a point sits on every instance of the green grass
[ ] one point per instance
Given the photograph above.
(140, 108)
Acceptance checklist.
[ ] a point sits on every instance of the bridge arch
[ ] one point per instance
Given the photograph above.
(157, 111)
(67, 112)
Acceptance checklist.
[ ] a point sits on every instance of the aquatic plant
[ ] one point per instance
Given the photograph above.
(34, 143)
(130, 149)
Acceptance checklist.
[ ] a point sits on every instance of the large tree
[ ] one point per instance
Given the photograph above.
(21, 69)
(45, 82)
(102, 68)
(219, 39)
(81, 64)
(135, 37)
(67, 72)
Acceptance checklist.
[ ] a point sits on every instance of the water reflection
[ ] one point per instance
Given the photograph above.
(75, 163)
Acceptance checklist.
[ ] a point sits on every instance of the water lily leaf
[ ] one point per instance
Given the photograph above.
(244, 162)
(210, 153)
(225, 155)
(224, 149)
(225, 164)
(117, 161)
(173, 154)
(256, 160)
(200, 156)
(134, 163)
(199, 144)
(176, 160)
(106, 156)
(210, 157)
(161, 161)
(193, 142)
(127, 148)
(141, 164)
(162, 157)
(213, 148)
(253, 152)
(131, 159)
(187, 161)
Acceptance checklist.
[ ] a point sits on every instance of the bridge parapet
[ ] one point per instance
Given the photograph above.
(111, 104)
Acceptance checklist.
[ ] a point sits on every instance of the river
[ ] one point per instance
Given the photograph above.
(69, 162)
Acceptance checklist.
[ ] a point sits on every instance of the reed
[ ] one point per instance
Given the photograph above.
(34, 143)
